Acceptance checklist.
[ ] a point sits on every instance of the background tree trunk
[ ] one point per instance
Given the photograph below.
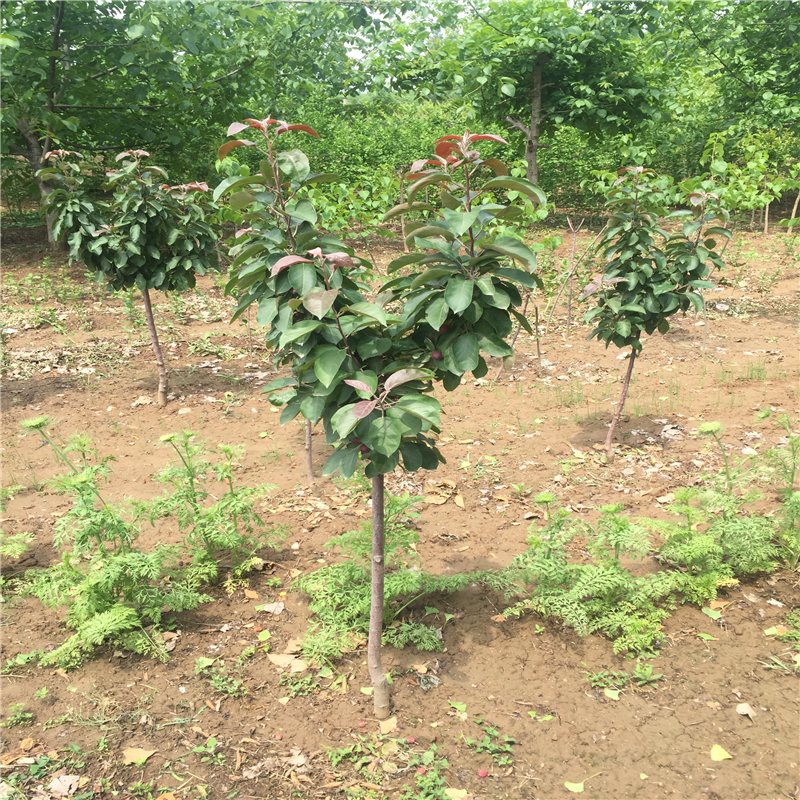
(379, 683)
(532, 142)
(163, 384)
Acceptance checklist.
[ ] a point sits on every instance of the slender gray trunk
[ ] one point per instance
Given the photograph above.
(379, 683)
(163, 384)
(620, 405)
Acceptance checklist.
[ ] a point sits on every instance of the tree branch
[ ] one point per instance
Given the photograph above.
(478, 14)
(516, 124)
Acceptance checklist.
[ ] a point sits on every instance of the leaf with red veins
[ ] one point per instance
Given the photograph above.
(364, 408)
(360, 385)
(490, 136)
(287, 261)
(50, 153)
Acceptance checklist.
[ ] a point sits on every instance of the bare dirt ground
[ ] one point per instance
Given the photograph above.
(86, 361)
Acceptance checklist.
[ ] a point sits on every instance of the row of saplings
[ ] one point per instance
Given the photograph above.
(364, 359)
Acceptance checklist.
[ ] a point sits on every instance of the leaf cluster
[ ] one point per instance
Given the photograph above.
(150, 235)
(649, 274)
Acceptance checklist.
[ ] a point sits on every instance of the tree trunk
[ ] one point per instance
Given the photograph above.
(618, 412)
(163, 385)
(309, 455)
(532, 142)
(794, 210)
(766, 218)
(379, 683)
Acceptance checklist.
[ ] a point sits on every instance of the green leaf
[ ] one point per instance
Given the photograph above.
(518, 185)
(294, 164)
(412, 456)
(422, 406)
(385, 435)
(509, 246)
(302, 209)
(466, 352)
(369, 310)
(517, 275)
(458, 294)
(302, 277)
(459, 222)
(369, 348)
(312, 406)
(404, 261)
(298, 331)
(342, 461)
(437, 313)
(508, 89)
(318, 301)
(278, 383)
(712, 612)
(327, 364)
(494, 345)
(431, 275)
(343, 421)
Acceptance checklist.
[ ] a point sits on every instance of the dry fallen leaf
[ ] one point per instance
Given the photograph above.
(435, 499)
(455, 794)
(745, 710)
(135, 755)
(719, 603)
(27, 744)
(388, 725)
(272, 608)
(285, 660)
(498, 618)
(250, 594)
(459, 501)
(64, 785)
(718, 754)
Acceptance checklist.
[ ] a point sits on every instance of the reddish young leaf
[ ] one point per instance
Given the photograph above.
(444, 149)
(488, 136)
(339, 259)
(364, 408)
(236, 127)
(228, 146)
(287, 261)
(316, 252)
(360, 385)
(283, 127)
(449, 136)
(242, 232)
(404, 376)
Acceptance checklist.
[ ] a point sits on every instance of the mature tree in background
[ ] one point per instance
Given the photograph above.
(537, 64)
(750, 49)
(121, 75)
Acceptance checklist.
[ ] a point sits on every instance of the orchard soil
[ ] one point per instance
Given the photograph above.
(540, 424)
